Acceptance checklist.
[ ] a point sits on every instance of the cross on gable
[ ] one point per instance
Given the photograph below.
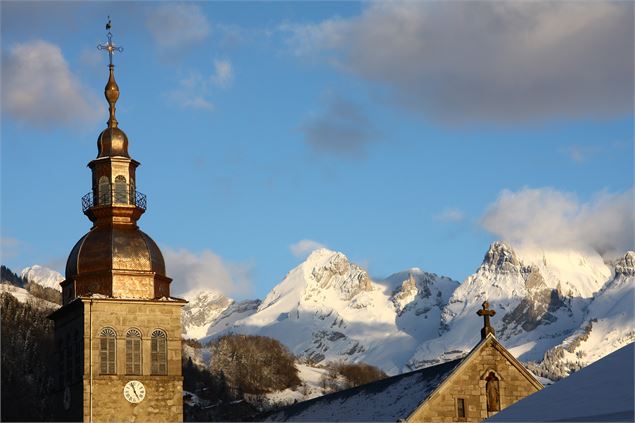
(486, 313)
(485, 310)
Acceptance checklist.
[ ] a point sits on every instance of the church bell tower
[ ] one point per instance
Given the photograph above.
(118, 332)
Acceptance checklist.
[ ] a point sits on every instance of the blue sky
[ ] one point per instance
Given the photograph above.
(402, 134)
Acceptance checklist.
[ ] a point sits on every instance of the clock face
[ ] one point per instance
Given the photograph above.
(134, 391)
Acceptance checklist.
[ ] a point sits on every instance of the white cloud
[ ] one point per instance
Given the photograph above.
(580, 154)
(223, 75)
(177, 26)
(206, 270)
(450, 215)
(9, 248)
(305, 39)
(39, 89)
(341, 128)
(193, 92)
(496, 62)
(551, 218)
(304, 247)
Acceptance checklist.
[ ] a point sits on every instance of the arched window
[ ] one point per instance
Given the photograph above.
(107, 351)
(159, 352)
(133, 352)
(132, 193)
(104, 191)
(121, 190)
(492, 391)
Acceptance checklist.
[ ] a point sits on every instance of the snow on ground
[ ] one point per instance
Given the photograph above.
(191, 399)
(386, 400)
(25, 296)
(601, 392)
(310, 387)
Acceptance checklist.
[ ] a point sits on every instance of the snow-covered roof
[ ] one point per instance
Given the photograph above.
(388, 399)
(601, 392)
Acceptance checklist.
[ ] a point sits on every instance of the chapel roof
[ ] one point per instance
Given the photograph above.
(389, 399)
(392, 399)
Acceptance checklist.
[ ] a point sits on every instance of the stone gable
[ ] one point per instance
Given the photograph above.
(468, 383)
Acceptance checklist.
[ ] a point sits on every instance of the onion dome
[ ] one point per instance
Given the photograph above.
(112, 142)
(106, 249)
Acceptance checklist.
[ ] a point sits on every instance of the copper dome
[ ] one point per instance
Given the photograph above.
(112, 142)
(104, 249)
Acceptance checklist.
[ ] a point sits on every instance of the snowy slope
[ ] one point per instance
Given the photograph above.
(43, 276)
(202, 310)
(24, 296)
(236, 311)
(540, 298)
(566, 302)
(600, 392)
(309, 388)
(611, 314)
(609, 322)
(329, 309)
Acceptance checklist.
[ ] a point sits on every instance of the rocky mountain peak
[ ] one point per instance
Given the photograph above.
(42, 276)
(501, 257)
(333, 270)
(202, 309)
(626, 265)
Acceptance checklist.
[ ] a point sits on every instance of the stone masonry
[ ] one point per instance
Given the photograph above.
(468, 383)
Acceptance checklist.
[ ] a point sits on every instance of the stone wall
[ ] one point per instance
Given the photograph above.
(131, 285)
(469, 383)
(163, 401)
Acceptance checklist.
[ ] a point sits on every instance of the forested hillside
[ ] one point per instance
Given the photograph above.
(27, 354)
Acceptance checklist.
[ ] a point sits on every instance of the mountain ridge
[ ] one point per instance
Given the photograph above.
(560, 309)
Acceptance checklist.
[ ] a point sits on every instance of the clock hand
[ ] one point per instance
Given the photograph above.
(135, 392)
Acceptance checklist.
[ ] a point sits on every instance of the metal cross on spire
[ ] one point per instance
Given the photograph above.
(109, 46)
(486, 313)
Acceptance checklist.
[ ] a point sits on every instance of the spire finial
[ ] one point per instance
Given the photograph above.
(486, 313)
(112, 89)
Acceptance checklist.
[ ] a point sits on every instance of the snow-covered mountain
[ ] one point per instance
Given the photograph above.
(202, 310)
(328, 308)
(609, 322)
(561, 308)
(42, 276)
(541, 298)
(208, 312)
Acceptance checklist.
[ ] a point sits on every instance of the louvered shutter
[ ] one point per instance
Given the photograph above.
(111, 356)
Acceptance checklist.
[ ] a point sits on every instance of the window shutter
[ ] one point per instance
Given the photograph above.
(111, 356)
(103, 352)
(158, 352)
(137, 356)
(162, 357)
(128, 356)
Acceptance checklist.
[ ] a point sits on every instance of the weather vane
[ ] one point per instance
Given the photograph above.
(109, 45)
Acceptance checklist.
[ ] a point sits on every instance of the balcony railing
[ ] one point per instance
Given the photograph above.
(116, 195)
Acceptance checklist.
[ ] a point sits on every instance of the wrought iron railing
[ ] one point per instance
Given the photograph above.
(116, 195)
